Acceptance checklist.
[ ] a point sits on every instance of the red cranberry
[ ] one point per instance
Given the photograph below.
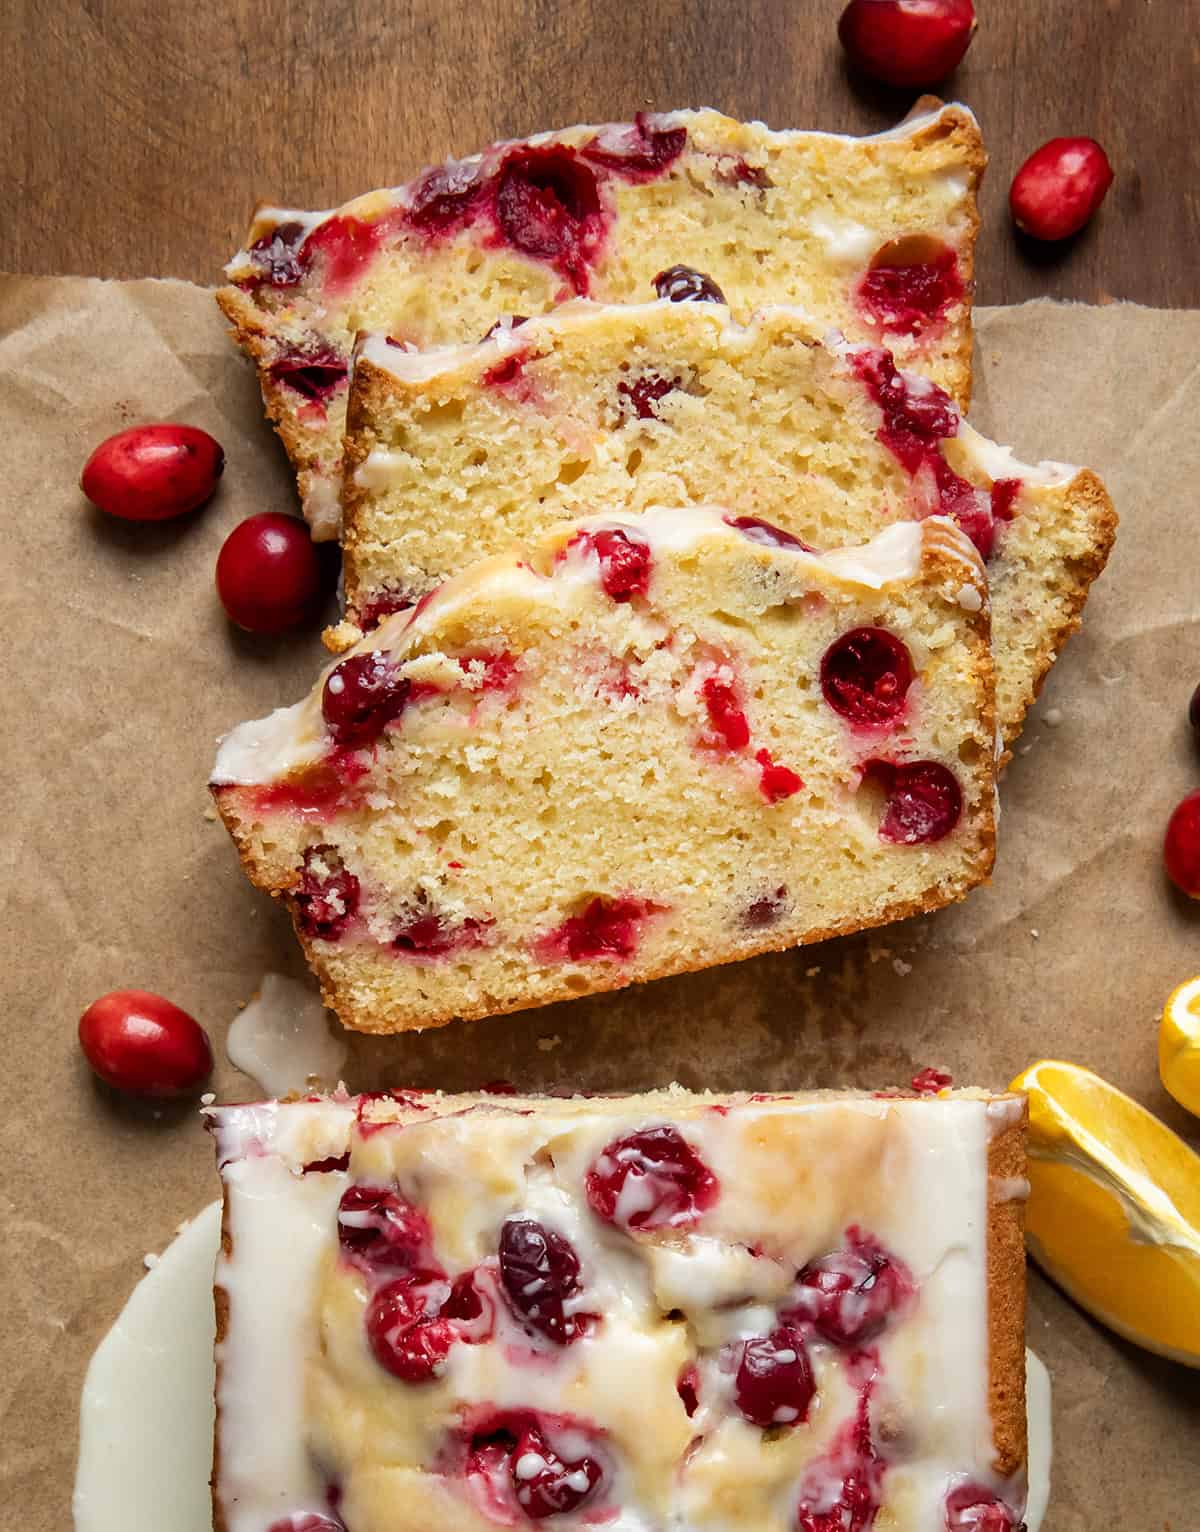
(327, 1166)
(763, 532)
(472, 1309)
(446, 196)
(639, 397)
(505, 324)
(546, 1484)
(924, 801)
(928, 1081)
(766, 910)
(428, 934)
(971, 508)
(378, 1229)
(737, 171)
(276, 256)
(327, 899)
(851, 1294)
(865, 676)
(1059, 187)
(624, 561)
(403, 1338)
(548, 205)
(651, 1180)
(638, 150)
(776, 782)
(687, 1386)
(1181, 846)
(727, 718)
(910, 285)
(907, 43)
(852, 1509)
(345, 247)
(268, 576)
(971, 1508)
(607, 929)
(684, 284)
(774, 1382)
(539, 1271)
(314, 373)
(917, 415)
(1004, 497)
(386, 602)
(138, 1042)
(152, 473)
(362, 696)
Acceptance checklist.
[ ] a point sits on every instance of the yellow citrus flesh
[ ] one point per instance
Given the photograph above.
(1179, 1045)
(1114, 1208)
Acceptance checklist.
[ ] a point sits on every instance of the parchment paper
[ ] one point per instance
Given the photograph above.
(122, 671)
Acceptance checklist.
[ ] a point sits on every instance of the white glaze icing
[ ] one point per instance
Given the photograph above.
(1038, 1414)
(282, 1039)
(844, 240)
(999, 462)
(268, 747)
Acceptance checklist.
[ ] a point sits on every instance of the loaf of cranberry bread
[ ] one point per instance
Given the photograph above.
(646, 745)
(665, 402)
(791, 1313)
(873, 235)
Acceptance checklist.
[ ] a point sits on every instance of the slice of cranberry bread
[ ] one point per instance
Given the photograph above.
(650, 745)
(767, 1313)
(874, 235)
(631, 405)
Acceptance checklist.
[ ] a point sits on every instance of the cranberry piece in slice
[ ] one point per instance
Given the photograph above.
(1059, 187)
(605, 930)
(505, 323)
(153, 473)
(766, 910)
(1181, 846)
(378, 1229)
(917, 415)
(651, 1180)
(639, 397)
(140, 1043)
(268, 574)
(1004, 497)
(276, 256)
(446, 196)
(327, 899)
(546, 1484)
(539, 1271)
(865, 676)
(684, 284)
(346, 247)
(726, 716)
(637, 150)
(737, 171)
(907, 43)
(851, 1294)
(362, 696)
(774, 1381)
(971, 1508)
(770, 536)
(971, 508)
(910, 285)
(924, 801)
(403, 1338)
(472, 1308)
(315, 373)
(776, 782)
(428, 934)
(851, 1507)
(624, 561)
(687, 1386)
(928, 1081)
(548, 205)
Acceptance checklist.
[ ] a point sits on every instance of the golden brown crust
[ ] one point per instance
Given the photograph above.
(1006, 1295)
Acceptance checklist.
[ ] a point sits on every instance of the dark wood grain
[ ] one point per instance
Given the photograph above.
(139, 135)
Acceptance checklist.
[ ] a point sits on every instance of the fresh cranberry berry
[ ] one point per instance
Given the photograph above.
(605, 930)
(726, 716)
(268, 575)
(539, 1271)
(687, 1386)
(774, 1381)
(767, 910)
(971, 1508)
(763, 532)
(1181, 846)
(776, 782)
(851, 1294)
(684, 284)
(276, 256)
(924, 801)
(928, 1081)
(548, 205)
(907, 43)
(446, 196)
(403, 1338)
(865, 676)
(362, 696)
(327, 898)
(910, 285)
(138, 1042)
(546, 1484)
(651, 1180)
(624, 561)
(636, 150)
(152, 473)
(1060, 187)
(639, 397)
(314, 373)
(378, 1229)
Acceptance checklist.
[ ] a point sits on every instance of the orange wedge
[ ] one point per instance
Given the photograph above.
(1114, 1208)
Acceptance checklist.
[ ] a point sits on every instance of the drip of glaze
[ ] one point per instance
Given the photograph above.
(1037, 1414)
(146, 1413)
(282, 1039)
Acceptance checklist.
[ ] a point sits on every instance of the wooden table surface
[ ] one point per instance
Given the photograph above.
(138, 136)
